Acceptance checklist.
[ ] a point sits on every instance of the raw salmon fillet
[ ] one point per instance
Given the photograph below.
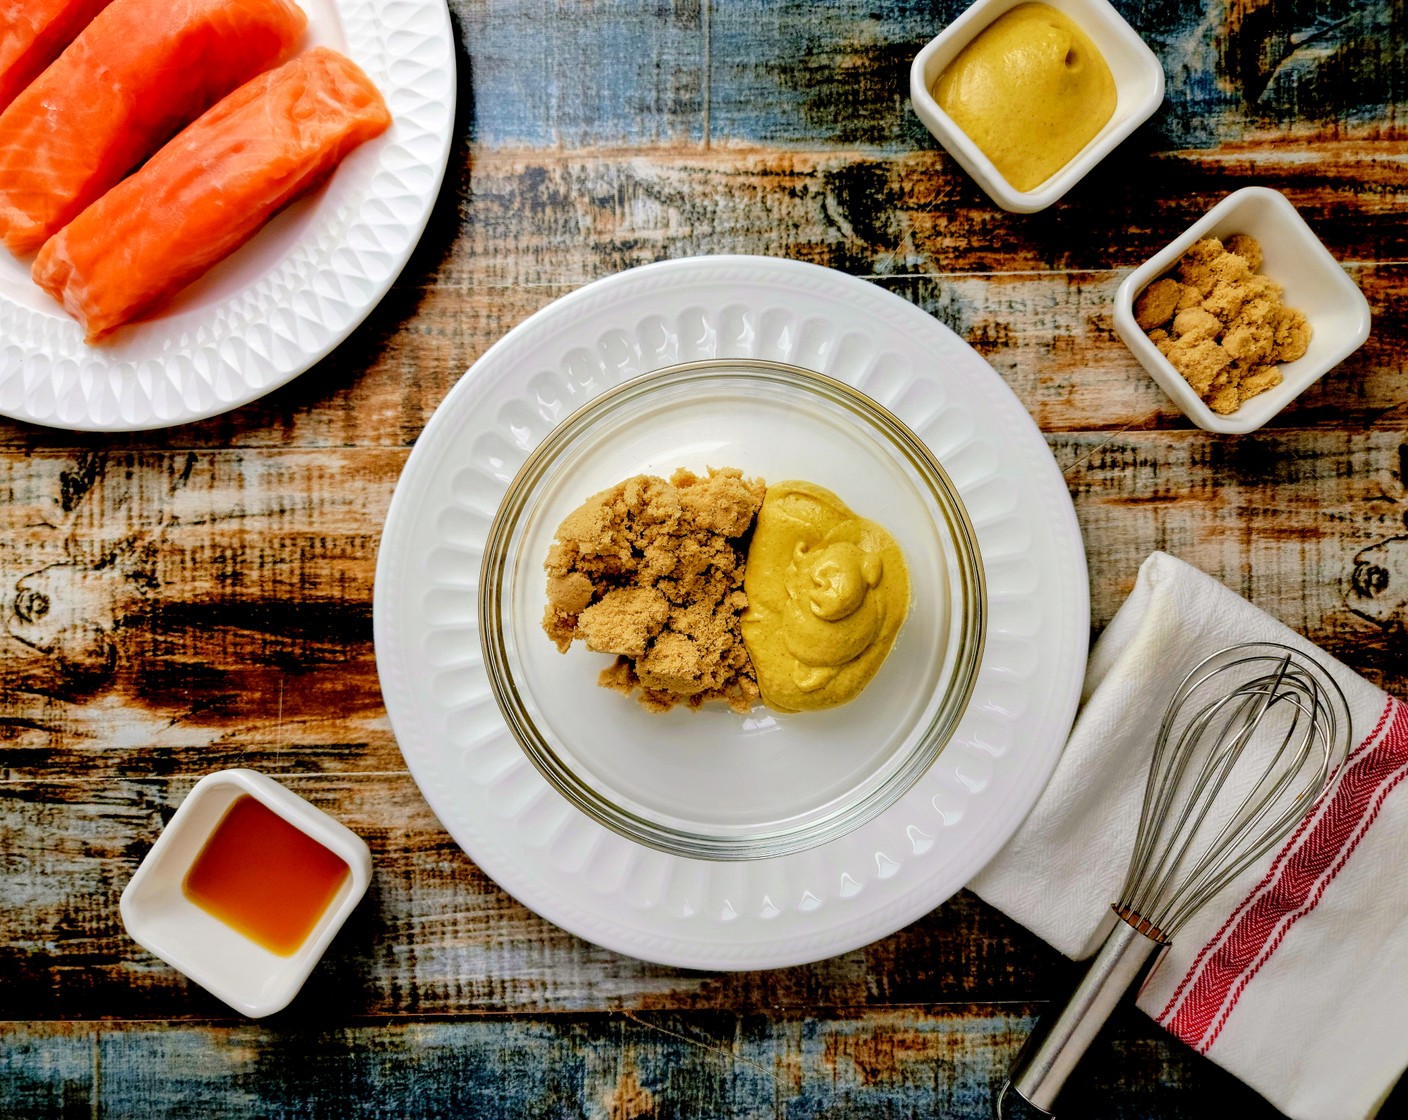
(210, 189)
(138, 72)
(32, 33)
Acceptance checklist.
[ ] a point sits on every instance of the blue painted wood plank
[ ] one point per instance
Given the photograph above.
(878, 1066)
(47, 1071)
(818, 73)
(823, 74)
(559, 73)
(1233, 69)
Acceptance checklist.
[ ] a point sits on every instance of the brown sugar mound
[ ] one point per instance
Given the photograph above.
(652, 571)
(1221, 324)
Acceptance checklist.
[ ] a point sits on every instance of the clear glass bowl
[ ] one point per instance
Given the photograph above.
(713, 784)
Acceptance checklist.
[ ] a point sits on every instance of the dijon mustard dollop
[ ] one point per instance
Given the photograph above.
(1031, 90)
(827, 593)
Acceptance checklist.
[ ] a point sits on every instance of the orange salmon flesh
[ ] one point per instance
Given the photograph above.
(136, 74)
(210, 189)
(32, 33)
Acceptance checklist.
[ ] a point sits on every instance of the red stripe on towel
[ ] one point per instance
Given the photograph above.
(1299, 875)
(1271, 873)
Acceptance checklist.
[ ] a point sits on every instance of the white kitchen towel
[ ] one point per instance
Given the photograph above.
(1295, 977)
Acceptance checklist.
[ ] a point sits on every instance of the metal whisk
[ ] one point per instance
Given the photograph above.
(1247, 745)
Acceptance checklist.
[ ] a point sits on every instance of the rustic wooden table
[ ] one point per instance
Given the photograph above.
(209, 587)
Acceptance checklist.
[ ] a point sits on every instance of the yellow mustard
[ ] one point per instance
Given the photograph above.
(1031, 90)
(827, 593)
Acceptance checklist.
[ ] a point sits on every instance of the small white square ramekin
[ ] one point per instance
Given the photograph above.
(226, 963)
(1312, 283)
(1139, 85)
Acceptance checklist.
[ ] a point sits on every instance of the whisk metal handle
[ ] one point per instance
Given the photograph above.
(1053, 1050)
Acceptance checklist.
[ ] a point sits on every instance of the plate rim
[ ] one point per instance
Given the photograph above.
(32, 361)
(740, 953)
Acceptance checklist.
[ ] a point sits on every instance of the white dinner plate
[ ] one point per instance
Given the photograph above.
(742, 914)
(288, 296)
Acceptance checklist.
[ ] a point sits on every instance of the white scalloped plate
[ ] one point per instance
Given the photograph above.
(287, 297)
(752, 914)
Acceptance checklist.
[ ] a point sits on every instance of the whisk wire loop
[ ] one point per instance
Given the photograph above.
(1231, 720)
(1250, 740)
(1304, 751)
(1213, 804)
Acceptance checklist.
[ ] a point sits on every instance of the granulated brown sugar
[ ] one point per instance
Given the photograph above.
(652, 571)
(1221, 324)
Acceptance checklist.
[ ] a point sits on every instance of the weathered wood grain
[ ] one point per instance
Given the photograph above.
(1043, 320)
(434, 936)
(188, 612)
(1247, 512)
(901, 1063)
(804, 73)
(207, 589)
(152, 602)
(581, 151)
(560, 74)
